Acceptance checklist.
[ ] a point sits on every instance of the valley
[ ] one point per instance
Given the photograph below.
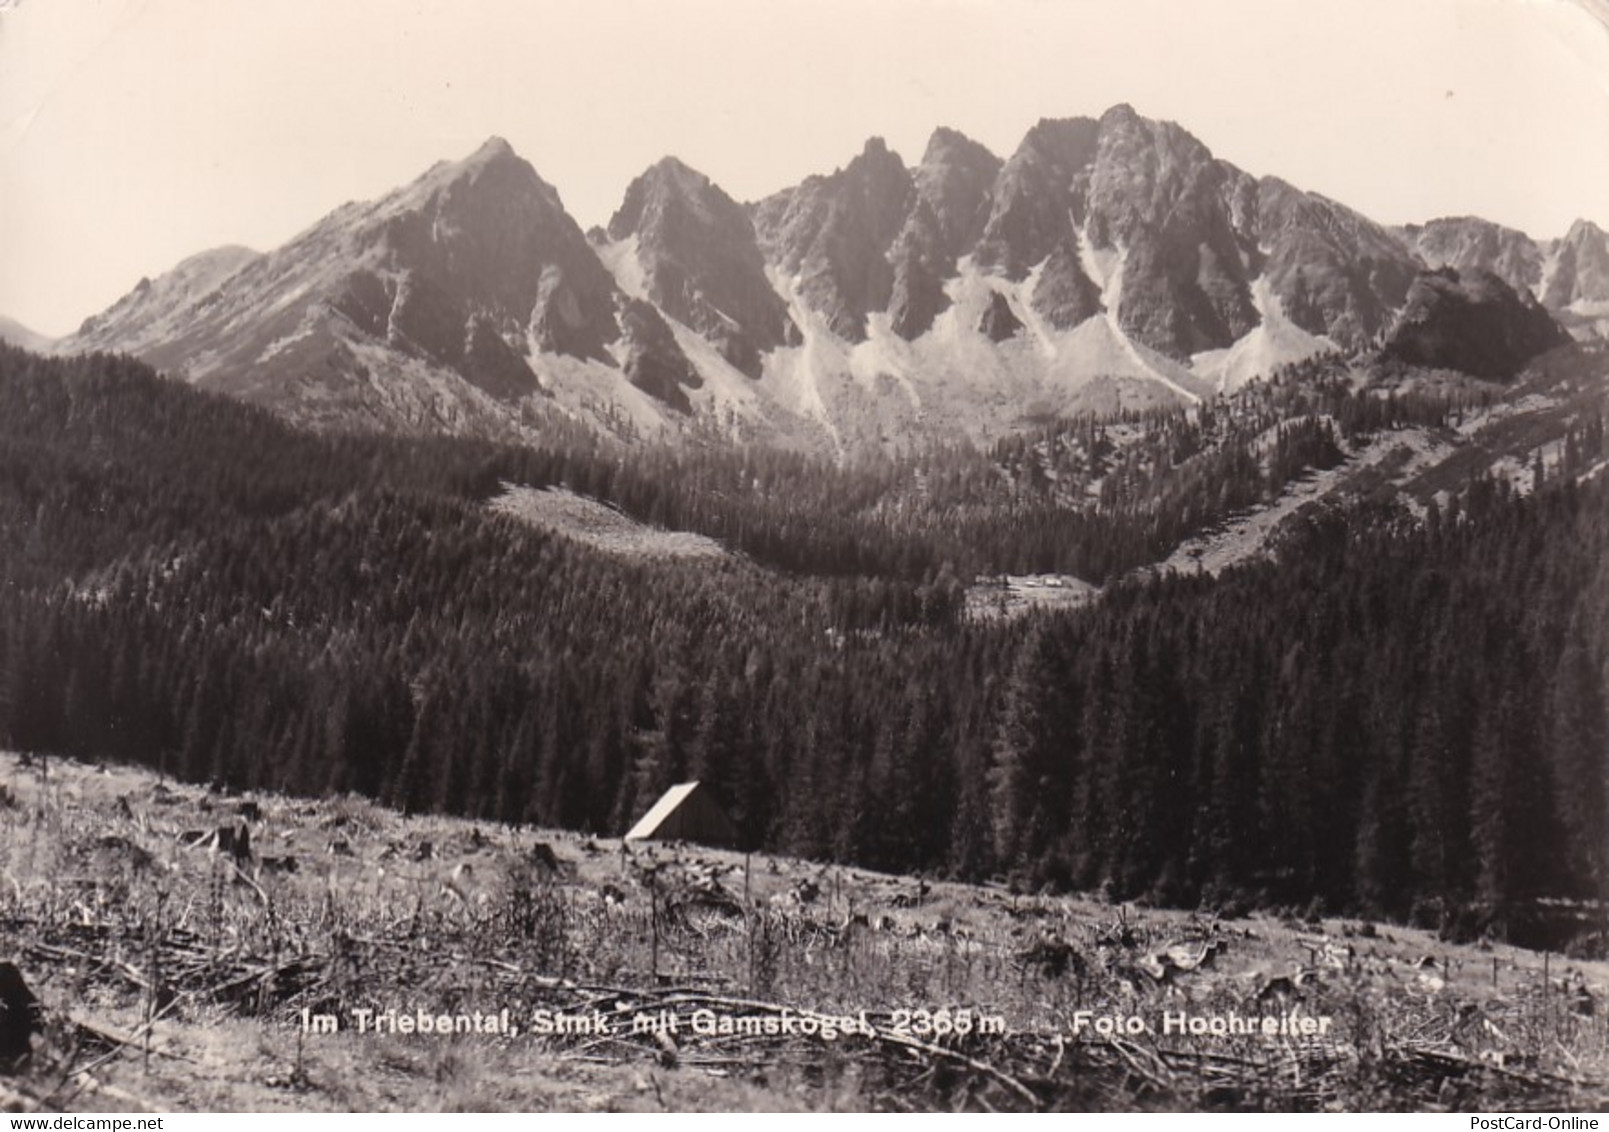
(1137, 623)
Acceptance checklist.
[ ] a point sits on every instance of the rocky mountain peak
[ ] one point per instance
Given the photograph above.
(882, 182)
(1335, 272)
(1068, 140)
(490, 235)
(835, 232)
(416, 310)
(1583, 230)
(949, 210)
(1116, 246)
(1144, 172)
(671, 168)
(955, 179)
(1036, 194)
(494, 148)
(701, 262)
(1468, 242)
(1121, 114)
(1156, 194)
(946, 145)
(664, 186)
(1580, 269)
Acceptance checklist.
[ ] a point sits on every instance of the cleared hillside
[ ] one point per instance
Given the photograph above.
(177, 977)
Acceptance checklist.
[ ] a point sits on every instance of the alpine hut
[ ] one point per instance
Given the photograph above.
(688, 812)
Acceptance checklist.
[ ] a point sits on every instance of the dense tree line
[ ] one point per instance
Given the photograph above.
(1404, 716)
(1086, 497)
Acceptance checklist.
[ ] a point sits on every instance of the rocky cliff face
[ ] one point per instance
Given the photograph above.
(956, 181)
(1038, 196)
(701, 262)
(654, 362)
(1580, 268)
(1188, 234)
(1114, 254)
(998, 322)
(921, 266)
(1157, 194)
(949, 208)
(1467, 243)
(1568, 274)
(1064, 295)
(1336, 272)
(492, 237)
(835, 232)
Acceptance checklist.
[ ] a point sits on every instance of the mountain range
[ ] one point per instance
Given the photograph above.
(1106, 264)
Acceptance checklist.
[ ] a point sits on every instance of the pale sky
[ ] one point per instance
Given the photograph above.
(134, 133)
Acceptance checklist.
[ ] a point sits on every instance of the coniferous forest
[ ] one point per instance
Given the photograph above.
(1400, 714)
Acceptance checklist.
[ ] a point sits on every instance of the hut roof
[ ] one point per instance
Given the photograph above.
(686, 812)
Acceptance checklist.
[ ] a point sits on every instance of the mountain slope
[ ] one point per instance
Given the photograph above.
(158, 310)
(1336, 272)
(17, 334)
(410, 312)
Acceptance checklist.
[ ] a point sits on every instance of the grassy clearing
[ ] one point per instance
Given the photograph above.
(600, 526)
(176, 979)
(1011, 595)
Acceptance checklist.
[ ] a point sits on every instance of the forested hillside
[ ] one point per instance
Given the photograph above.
(1401, 715)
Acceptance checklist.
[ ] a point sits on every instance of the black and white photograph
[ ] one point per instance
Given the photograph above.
(776, 556)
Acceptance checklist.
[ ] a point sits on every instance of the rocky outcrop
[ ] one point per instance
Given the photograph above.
(920, 268)
(1145, 191)
(1156, 193)
(1038, 195)
(495, 238)
(418, 317)
(1064, 295)
(955, 181)
(1580, 269)
(701, 262)
(998, 322)
(654, 362)
(1473, 322)
(948, 212)
(834, 233)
